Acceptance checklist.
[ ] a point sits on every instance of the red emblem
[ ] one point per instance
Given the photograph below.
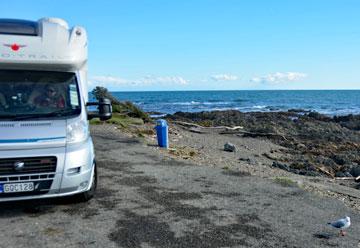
(15, 47)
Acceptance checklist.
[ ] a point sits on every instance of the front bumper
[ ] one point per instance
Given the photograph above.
(65, 181)
(80, 183)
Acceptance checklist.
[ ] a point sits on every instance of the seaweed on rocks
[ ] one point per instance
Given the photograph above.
(318, 144)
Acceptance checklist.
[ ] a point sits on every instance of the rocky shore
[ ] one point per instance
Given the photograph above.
(314, 144)
(318, 153)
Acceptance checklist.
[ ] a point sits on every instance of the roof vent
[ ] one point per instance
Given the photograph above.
(55, 20)
(18, 27)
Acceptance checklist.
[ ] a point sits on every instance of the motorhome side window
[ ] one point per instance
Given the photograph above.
(37, 94)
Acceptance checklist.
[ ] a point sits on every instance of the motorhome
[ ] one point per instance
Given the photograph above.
(45, 145)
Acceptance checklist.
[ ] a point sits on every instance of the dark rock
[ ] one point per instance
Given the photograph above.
(297, 111)
(347, 174)
(340, 174)
(300, 146)
(318, 116)
(248, 160)
(328, 162)
(355, 171)
(340, 160)
(349, 121)
(305, 172)
(312, 174)
(245, 159)
(281, 166)
(228, 147)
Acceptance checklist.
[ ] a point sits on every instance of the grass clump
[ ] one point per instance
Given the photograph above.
(285, 182)
(206, 123)
(119, 120)
(49, 231)
(143, 132)
(183, 152)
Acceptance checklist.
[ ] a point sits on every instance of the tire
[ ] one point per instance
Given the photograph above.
(87, 195)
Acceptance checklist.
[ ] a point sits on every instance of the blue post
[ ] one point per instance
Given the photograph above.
(162, 130)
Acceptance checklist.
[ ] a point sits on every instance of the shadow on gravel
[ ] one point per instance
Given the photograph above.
(134, 230)
(323, 235)
(102, 142)
(171, 201)
(327, 239)
(227, 195)
(236, 173)
(34, 208)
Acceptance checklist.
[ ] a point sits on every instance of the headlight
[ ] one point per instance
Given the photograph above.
(77, 132)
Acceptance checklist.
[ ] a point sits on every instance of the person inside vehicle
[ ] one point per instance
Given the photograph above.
(50, 98)
(3, 104)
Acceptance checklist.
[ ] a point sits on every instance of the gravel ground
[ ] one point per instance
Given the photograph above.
(146, 199)
(253, 155)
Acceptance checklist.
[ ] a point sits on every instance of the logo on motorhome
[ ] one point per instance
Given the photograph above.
(18, 166)
(15, 47)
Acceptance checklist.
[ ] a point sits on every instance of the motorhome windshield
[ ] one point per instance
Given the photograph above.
(38, 94)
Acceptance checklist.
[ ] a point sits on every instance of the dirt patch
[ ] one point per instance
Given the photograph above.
(285, 182)
(236, 173)
(227, 195)
(171, 201)
(113, 165)
(135, 230)
(136, 181)
(50, 231)
(102, 193)
(82, 210)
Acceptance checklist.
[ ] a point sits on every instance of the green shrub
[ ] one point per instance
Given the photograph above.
(101, 92)
(118, 108)
(126, 107)
(135, 111)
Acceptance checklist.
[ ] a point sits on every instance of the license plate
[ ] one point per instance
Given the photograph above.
(16, 187)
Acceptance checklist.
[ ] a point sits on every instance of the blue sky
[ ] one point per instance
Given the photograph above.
(213, 44)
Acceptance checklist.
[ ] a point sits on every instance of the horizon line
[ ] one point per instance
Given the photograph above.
(235, 90)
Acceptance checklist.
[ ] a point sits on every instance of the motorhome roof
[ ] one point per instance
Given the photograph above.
(47, 44)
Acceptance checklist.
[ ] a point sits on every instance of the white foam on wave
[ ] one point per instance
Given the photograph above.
(185, 103)
(259, 106)
(200, 103)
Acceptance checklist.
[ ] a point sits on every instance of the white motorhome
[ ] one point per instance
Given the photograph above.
(45, 146)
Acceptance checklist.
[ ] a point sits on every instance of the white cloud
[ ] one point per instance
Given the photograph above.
(103, 80)
(224, 77)
(280, 77)
(167, 80)
(110, 81)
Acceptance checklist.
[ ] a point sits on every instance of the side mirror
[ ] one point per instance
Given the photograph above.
(103, 110)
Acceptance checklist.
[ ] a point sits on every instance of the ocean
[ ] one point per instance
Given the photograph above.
(329, 102)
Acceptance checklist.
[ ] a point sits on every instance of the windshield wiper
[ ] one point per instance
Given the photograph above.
(19, 117)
